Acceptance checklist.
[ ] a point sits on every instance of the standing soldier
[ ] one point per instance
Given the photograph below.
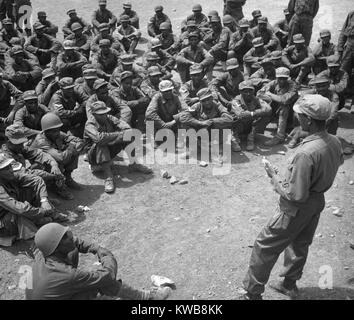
(103, 15)
(303, 12)
(153, 27)
(72, 19)
(234, 8)
(133, 16)
(310, 173)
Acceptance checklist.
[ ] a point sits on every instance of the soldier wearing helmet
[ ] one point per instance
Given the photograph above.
(153, 27)
(64, 148)
(168, 40)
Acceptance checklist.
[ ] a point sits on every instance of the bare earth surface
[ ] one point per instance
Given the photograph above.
(200, 234)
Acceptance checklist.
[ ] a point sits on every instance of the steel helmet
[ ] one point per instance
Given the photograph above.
(48, 237)
(50, 121)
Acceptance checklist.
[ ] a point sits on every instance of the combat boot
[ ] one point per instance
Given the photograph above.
(289, 290)
(250, 141)
(235, 143)
(109, 186)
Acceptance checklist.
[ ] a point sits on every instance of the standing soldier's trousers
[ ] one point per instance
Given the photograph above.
(301, 24)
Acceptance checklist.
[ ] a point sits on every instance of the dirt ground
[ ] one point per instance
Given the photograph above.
(200, 234)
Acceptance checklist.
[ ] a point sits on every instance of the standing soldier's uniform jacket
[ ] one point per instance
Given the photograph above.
(346, 43)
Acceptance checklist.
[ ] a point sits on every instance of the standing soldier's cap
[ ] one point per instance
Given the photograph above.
(127, 5)
(38, 26)
(127, 59)
(246, 85)
(194, 34)
(286, 11)
(325, 33)
(195, 69)
(99, 83)
(48, 237)
(29, 95)
(165, 26)
(320, 80)
(7, 21)
(152, 56)
(244, 23)
(155, 43)
(332, 61)
(258, 42)
(99, 107)
(47, 73)
(71, 11)
(298, 38)
(213, 13)
(102, 1)
(232, 64)
(125, 75)
(191, 23)
(276, 55)
(158, 8)
(124, 18)
(76, 26)
(90, 74)
(262, 20)
(104, 43)
(69, 45)
(204, 94)
(227, 19)
(256, 13)
(66, 83)
(315, 106)
(103, 26)
(16, 50)
(197, 8)
(41, 14)
(154, 71)
(5, 161)
(215, 19)
(166, 85)
(16, 134)
(282, 73)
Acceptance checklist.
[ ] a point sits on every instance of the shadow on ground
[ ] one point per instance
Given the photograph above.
(337, 293)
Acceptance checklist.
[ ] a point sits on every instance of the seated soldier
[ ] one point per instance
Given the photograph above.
(7, 111)
(29, 116)
(150, 86)
(183, 40)
(80, 39)
(85, 88)
(106, 60)
(104, 133)
(41, 164)
(22, 72)
(190, 89)
(133, 98)
(117, 107)
(103, 15)
(240, 42)
(263, 75)
(8, 32)
(45, 47)
(198, 16)
(56, 274)
(338, 78)
(193, 54)
(251, 116)
(127, 35)
(282, 93)
(47, 86)
(153, 27)
(276, 57)
(24, 203)
(69, 105)
(256, 14)
(70, 62)
(127, 63)
(73, 18)
(225, 86)
(50, 28)
(164, 107)
(104, 33)
(299, 59)
(229, 22)
(133, 16)
(281, 29)
(256, 54)
(167, 38)
(152, 59)
(28, 55)
(324, 49)
(64, 148)
(166, 61)
(270, 41)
